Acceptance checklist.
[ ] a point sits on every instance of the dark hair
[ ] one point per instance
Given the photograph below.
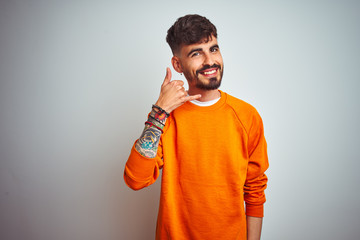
(188, 30)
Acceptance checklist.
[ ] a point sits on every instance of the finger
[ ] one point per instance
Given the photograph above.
(177, 82)
(182, 90)
(167, 76)
(178, 87)
(193, 97)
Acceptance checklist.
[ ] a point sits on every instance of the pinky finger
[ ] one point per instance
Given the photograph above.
(193, 97)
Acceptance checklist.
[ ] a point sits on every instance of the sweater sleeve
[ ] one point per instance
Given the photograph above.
(256, 180)
(141, 171)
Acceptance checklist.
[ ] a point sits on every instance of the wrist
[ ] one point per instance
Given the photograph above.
(161, 112)
(162, 106)
(158, 116)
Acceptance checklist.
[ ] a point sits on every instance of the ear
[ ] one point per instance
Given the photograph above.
(176, 64)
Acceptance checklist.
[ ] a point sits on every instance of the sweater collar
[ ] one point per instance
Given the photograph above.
(218, 104)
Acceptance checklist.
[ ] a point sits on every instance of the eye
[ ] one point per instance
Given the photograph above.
(195, 54)
(214, 49)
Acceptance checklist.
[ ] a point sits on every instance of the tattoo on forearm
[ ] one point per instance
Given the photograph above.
(158, 117)
(148, 143)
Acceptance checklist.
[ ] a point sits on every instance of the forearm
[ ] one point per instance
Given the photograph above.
(254, 225)
(148, 143)
(172, 95)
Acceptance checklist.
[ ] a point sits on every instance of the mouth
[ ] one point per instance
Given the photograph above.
(209, 72)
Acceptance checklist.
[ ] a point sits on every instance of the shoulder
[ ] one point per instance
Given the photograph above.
(245, 112)
(239, 104)
(241, 107)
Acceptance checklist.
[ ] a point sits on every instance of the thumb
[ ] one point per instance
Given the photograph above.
(167, 76)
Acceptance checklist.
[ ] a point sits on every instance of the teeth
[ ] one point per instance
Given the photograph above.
(210, 72)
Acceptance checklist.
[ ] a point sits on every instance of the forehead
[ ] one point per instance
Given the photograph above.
(204, 44)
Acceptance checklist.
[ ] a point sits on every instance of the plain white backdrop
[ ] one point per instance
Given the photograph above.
(79, 77)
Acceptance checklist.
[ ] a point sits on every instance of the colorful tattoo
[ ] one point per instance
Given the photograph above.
(148, 143)
(160, 117)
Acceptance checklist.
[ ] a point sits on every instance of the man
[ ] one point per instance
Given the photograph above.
(209, 145)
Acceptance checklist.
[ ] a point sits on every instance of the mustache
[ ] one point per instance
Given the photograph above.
(207, 67)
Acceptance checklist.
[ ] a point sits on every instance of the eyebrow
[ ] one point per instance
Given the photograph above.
(200, 49)
(194, 50)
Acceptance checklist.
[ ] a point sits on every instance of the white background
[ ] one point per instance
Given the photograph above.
(79, 77)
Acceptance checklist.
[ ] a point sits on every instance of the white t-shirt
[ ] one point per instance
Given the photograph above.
(205, 104)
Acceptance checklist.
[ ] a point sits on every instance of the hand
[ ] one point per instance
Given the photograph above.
(173, 94)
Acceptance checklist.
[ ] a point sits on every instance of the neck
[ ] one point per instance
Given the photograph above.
(206, 95)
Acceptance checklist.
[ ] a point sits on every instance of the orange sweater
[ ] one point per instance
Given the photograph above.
(213, 159)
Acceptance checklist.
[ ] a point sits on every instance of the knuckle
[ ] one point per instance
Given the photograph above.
(178, 82)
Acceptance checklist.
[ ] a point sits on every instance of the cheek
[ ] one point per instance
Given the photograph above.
(191, 68)
(219, 58)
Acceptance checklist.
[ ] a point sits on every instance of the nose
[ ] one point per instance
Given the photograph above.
(208, 59)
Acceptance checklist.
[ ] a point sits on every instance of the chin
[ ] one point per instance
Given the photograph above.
(213, 84)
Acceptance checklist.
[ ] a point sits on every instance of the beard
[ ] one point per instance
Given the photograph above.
(212, 84)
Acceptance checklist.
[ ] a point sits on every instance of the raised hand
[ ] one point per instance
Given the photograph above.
(173, 94)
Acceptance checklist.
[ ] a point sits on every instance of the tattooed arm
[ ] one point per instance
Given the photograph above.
(139, 173)
(172, 95)
(148, 142)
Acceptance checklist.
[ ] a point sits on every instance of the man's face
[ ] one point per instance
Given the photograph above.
(202, 64)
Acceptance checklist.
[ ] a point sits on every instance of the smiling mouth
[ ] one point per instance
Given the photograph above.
(209, 72)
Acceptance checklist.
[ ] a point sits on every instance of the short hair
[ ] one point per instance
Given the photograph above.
(189, 29)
